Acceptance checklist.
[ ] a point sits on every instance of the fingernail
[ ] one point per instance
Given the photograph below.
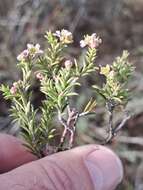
(105, 168)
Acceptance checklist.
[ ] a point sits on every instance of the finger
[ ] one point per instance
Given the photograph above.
(87, 168)
(12, 153)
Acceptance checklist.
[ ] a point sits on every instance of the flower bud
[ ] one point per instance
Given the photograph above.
(13, 90)
(68, 64)
(39, 76)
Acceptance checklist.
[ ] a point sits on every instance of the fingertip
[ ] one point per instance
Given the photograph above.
(96, 167)
(12, 153)
(105, 168)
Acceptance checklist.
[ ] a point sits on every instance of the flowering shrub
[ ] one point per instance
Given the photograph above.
(57, 78)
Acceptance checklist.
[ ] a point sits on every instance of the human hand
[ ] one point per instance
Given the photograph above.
(84, 168)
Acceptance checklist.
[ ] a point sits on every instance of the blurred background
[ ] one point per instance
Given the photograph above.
(120, 25)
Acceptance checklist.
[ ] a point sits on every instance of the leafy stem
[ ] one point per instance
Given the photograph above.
(57, 78)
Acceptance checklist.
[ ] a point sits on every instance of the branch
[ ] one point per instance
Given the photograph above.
(110, 128)
(113, 131)
(63, 122)
(121, 125)
(69, 126)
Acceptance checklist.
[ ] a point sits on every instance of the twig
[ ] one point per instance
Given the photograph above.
(71, 122)
(131, 140)
(69, 126)
(121, 125)
(75, 118)
(113, 131)
(110, 132)
(110, 106)
(63, 122)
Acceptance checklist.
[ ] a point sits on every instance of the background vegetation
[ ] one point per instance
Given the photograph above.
(119, 23)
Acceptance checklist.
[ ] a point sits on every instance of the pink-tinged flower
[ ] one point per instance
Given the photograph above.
(92, 41)
(30, 52)
(13, 90)
(65, 36)
(14, 87)
(68, 64)
(95, 41)
(15, 84)
(39, 76)
(23, 55)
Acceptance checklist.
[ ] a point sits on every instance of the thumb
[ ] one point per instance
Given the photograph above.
(88, 168)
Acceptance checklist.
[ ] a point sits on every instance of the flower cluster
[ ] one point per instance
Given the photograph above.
(30, 52)
(64, 36)
(112, 89)
(92, 41)
(116, 77)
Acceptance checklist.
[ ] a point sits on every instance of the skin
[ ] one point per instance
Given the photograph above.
(76, 169)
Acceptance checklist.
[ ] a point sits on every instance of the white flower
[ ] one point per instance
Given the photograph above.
(65, 32)
(30, 46)
(57, 33)
(83, 43)
(34, 50)
(65, 36)
(19, 57)
(92, 41)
